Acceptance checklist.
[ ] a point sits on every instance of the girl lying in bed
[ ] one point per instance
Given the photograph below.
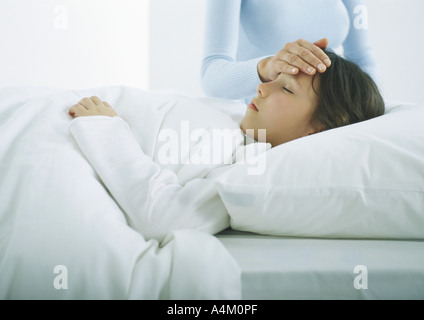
(294, 106)
(290, 107)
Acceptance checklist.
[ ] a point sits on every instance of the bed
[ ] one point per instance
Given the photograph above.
(293, 268)
(347, 228)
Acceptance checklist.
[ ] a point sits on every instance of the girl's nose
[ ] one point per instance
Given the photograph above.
(261, 89)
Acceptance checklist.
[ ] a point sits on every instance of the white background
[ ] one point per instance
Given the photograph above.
(74, 43)
(158, 44)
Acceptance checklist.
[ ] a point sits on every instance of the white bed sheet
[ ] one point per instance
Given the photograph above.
(311, 268)
(62, 236)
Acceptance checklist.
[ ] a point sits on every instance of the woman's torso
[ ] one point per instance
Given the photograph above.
(266, 25)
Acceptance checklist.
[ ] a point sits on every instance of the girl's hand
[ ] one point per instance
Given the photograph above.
(299, 55)
(91, 107)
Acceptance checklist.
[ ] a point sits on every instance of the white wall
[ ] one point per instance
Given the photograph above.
(396, 30)
(176, 44)
(88, 43)
(74, 43)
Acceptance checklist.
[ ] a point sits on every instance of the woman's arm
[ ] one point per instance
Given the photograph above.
(221, 74)
(357, 46)
(225, 77)
(152, 199)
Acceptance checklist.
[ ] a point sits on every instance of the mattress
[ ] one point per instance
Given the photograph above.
(313, 269)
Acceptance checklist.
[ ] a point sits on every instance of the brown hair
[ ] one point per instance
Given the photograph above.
(346, 94)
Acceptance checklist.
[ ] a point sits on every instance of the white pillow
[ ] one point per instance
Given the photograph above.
(363, 181)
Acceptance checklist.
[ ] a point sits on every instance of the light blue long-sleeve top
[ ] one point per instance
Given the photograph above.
(240, 33)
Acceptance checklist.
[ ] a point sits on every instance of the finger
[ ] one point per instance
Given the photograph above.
(295, 61)
(78, 110)
(307, 54)
(298, 56)
(107, 104)
(317, 53)
(322, 43)
(111, 111)
(281, 66)
(87, 103)
(71, 111)
(96, 100)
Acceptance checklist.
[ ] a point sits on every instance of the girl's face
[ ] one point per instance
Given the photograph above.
(284, 108)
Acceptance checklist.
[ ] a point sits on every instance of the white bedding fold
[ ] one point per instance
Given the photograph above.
(152, 198)
(55, 210)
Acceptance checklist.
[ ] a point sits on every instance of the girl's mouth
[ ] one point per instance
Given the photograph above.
(253, 106)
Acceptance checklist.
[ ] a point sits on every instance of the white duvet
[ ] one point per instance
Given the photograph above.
(71, 229)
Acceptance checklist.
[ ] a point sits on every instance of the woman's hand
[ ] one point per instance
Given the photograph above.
(299, 55)
(91, 107)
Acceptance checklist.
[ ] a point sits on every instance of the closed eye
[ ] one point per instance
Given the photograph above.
(284, 88)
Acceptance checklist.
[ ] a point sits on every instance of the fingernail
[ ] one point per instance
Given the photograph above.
(321, 67)
(293, 70)
(327, 62)
(311, 70)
